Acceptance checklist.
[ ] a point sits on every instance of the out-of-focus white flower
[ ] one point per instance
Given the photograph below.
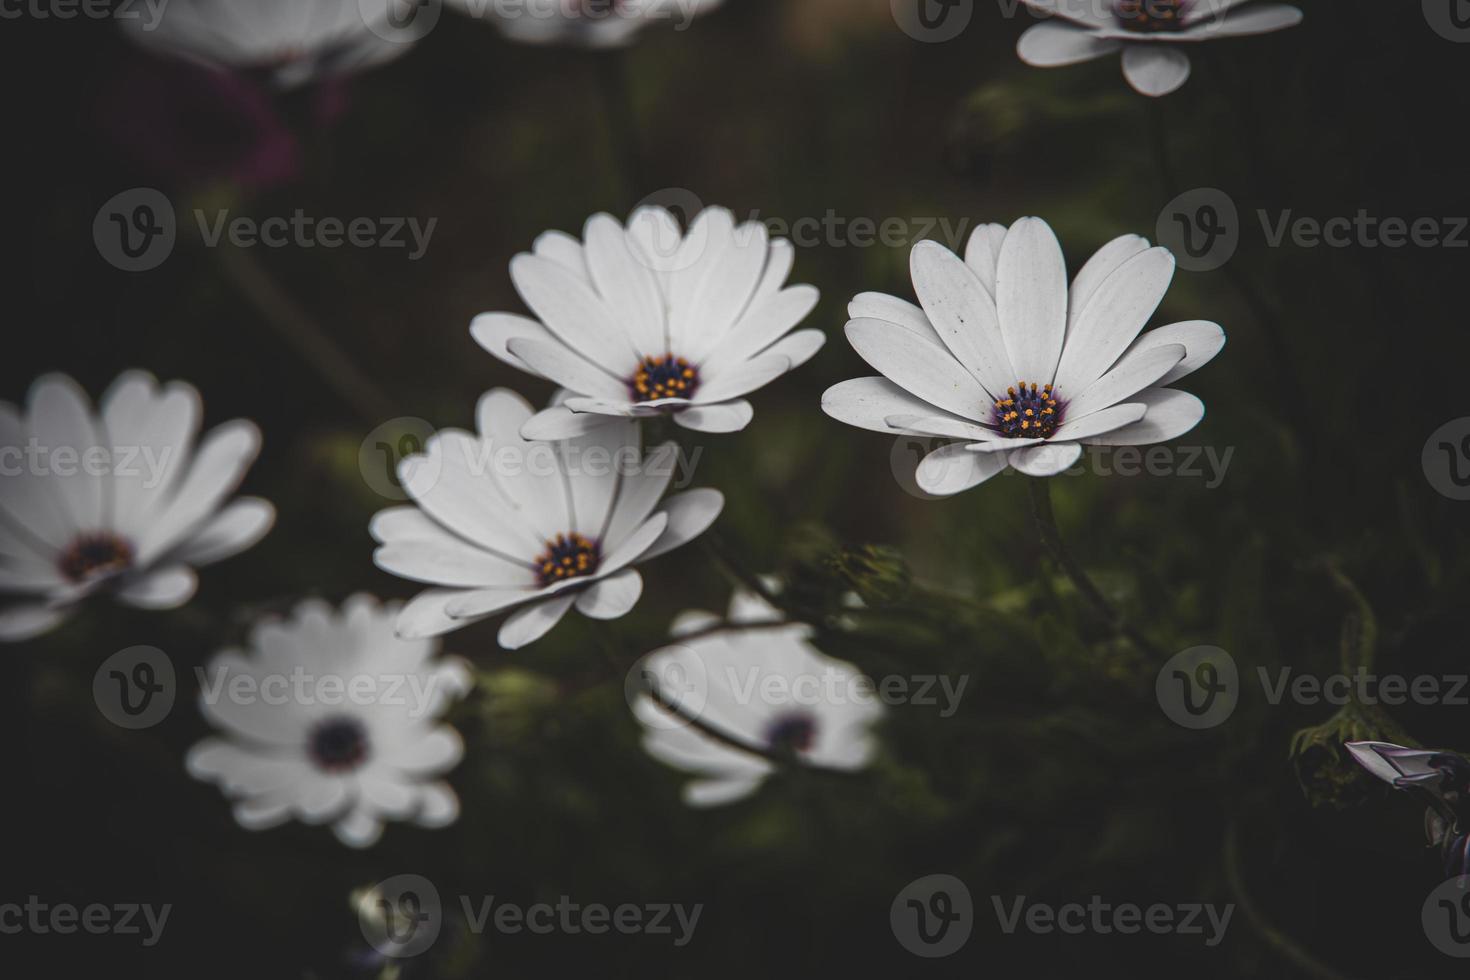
(1150, 33)
(730, 700)
(330, 717)
(583, 23)
(292, 41)
(117, 502)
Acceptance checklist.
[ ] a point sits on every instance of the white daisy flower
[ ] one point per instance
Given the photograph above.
(500, 522)
(292, 41)
(584, 23)
(752, 695)
(1148, 32)
(646, 320)
(329, 717)
(1022, 371)
(118, 502)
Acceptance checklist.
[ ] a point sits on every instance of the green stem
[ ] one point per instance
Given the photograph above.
(1051, 539)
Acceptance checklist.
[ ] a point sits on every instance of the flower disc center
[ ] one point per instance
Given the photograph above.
(338, 744)
(792, 733)
(90, 555)
(568, 556)
(1027, 412)
(664, 376)
(1151, 16)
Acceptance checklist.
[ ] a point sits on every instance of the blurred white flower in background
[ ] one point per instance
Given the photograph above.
(500, 522)
(1148, 32)
(291, 41)
(583, 23)
(731, 701)
(648, 320)
(118, 502)
(1021, 370)
(330, 717)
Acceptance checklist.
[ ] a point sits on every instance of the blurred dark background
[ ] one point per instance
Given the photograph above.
(1059, 778)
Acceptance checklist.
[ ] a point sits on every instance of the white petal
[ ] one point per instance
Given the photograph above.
(60, 420)
(919, 367)
(798, 348)
(735, 380)
(636, 545)
(1113, 317)
(725, 292)
(486, 602)
(166, 588)
(690, 515)
(1134, 372)
(565, 251)
(452, 562)
(214, 472)
(702, 250)
(611, 597)
(719, 792)
(941, 426)
(438, 805)
(952, 469)
(28, 620)
(731, 416)
(963, 313)
(570, 309)
(868, 403)
(779, 260)
(765, 323)
(1202, 340)
(1155, 69)
(982, 253)
(528, 625)
(1031, 299)
(239, 526)
(1096, 270)
(1170, 414)
(881, 306)
(494, 331)
(358, 828)
(1052, 44)
(427, 615)
(568, 369)
(161, 423)
(455, 482)
(559, 422)
(436, 750)
(1106, 420)
(640, 492)
(627, 284)
(1046, 460)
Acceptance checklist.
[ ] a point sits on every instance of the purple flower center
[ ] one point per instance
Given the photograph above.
(793, 733)
(1151, 16)
(99, 553)
(665, 376)
(1027, 412)
(338, 744)
(567, 556)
